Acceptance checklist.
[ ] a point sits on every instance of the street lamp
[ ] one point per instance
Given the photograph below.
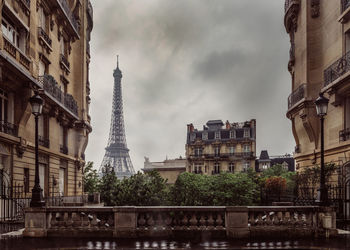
(321, 109)
(37, 193)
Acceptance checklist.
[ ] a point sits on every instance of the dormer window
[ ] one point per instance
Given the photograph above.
(205, 136)
(217, 134)
(232, 134)
(246, 133)
(192, 137)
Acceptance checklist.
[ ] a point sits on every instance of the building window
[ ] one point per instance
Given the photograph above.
(246, 166)
(62, 178)
(198, 151)
(198, 168)
(347, 42)
(13, 34)
(265, 166)
(232, 134)
(217, 151)
(205, 136)
(231, 167)
(43, 130)
(246, 148)
(232, 150)
(3, 106)
(63, 140)
(192, 137)
(246, 133)
(216, 168)
(217, 134)
(43, 20)
(26, 180)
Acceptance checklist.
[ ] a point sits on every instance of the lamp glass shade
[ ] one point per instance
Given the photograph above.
(37, 104)
(321, 105)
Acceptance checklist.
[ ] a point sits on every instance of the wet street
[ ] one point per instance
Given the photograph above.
(79, 243)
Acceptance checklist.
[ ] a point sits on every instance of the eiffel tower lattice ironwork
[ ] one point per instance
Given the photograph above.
(117, 152)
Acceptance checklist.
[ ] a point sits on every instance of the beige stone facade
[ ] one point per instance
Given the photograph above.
(319, 63)
(44, 45)
(168, 169)
(221, 148)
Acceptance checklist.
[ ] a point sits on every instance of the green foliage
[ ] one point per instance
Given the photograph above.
(225, 189)
(90, 179)
(141, 190)
(233, 189)
(310, 176)
(275, 170)
(108, 185)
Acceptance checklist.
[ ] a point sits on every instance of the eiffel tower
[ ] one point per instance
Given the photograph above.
(117, 152)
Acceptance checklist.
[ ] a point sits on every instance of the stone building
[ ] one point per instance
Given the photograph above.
(319, 63)
(44, 45)
(169, 169)
(265, 161)
(218, 148)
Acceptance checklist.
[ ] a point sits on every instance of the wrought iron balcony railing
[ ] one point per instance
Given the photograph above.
(296, 95)
(289, 3)
(337, 69)
(344, 134)
(225, 155)
(44, 36)
(51, 86)
(345, 4)
(65, 7)
(64, 61)
(44, 141)
(8, 128)
(64, 149)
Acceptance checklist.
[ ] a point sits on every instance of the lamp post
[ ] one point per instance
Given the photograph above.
(37, 193)
(321, 109)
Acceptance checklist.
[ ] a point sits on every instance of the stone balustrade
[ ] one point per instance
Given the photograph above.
(217, 222)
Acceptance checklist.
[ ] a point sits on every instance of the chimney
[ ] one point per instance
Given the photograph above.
(190, 128)
(228, 125)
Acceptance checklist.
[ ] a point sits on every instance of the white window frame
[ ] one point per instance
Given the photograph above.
(232, 133)
(205, 136)
(217, 167)
(231, 167)
(10, 32)
(246, 133)
(217, 135)
(192, 136)
(216, 150)
(232, 150)
(246, 148)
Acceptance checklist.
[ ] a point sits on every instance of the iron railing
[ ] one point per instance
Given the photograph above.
(65, 7)
(44, 141)
(26, 2)
(64, 149)
(51, 86)
(8, 128)
(224, 155)
(64, 61)
(345, 4)
(337, 69)
(296, 95)
(289, 3)
(44, 36)
(344, 134)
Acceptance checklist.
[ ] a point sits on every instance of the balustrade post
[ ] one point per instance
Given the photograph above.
(125, 221)
(35, 222)
(236, 220)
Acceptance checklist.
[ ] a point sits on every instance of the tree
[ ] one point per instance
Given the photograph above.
(108, 185)
(90, 179)
(141, 190)
(276, 185)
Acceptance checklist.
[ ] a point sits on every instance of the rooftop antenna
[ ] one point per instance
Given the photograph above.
(117, 61)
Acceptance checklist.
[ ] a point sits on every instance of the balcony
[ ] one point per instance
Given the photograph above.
(45, 40)
(345, 4)
(44, 141)
(344, 135)
(337, 69)
(8, 128)
(64, 63)
(64, 149)
(18, 55)
(51, 87)
(296, 96)
(66, 11)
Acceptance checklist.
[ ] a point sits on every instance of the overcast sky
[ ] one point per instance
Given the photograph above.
(189, 61)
